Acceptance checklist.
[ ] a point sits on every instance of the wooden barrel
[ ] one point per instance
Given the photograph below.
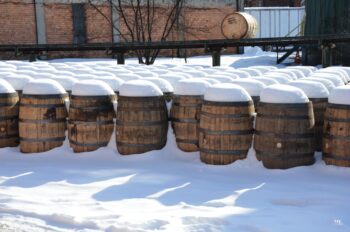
(284, 134)
(90, 124)
(226, 131)
(252, 86)
(256, 100)
(42, 122)
(185, 114)
(239, 25)
(141, 124)
(320, 105)
(9, 120)
(336, 139)
(19, 93)
(168, 96)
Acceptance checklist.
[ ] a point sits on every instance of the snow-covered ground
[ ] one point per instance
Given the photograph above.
(168, 190)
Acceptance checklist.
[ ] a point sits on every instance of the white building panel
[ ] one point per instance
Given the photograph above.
(277, 21)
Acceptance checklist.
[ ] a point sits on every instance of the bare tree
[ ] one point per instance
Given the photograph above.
(144, 21)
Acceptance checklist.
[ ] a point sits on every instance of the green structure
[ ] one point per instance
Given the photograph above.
(325, 17)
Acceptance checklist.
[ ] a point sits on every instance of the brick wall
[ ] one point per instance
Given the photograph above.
(205, 23)
(98, 28)
(199, 24)
(17, 22)
(58, 21)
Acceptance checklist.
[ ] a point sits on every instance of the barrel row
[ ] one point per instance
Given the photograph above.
(38, 122)
(286, 135)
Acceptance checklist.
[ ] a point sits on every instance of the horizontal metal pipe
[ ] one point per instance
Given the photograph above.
(207, 44)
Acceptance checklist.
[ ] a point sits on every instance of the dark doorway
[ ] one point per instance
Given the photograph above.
(79, 27)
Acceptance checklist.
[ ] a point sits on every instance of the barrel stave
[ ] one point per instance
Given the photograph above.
(141, 124)
(42, 122)
(90, 123)
(225, 132)
(185, 114)
(336, 138)
(285, 135)
(9, 110)
(320, 106)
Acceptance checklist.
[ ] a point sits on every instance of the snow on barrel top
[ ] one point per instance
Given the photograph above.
(340, 95)
(5, 87)
(252, 71)
(228, 74)
(277, 73)
(191, 87)
(327, 83)
(283, 94)
(128, 76)
(345, 69)
(337, 81)
(43, 87)
(113, 82)
(43, 75)
(210, 80)
(82, 77)
(280, 78)
(173, 79)
(18, 81)
(139, 88)
(307, 70)
(252, 86)
(163, 84)
(312, 89)
(195, 73)
(146, 73)
(298, 73)
(227, 92)
(337, 72)
(67, 82)
(267, 81)
(209, 71)
(92, 88)
(239, 73)
(221, 78)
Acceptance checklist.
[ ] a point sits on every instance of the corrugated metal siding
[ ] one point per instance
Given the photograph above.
(327, 17)
(277, 21)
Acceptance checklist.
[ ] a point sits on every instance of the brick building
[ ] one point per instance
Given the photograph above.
(77, 21)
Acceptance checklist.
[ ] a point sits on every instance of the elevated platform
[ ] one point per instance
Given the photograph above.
(213, 46)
